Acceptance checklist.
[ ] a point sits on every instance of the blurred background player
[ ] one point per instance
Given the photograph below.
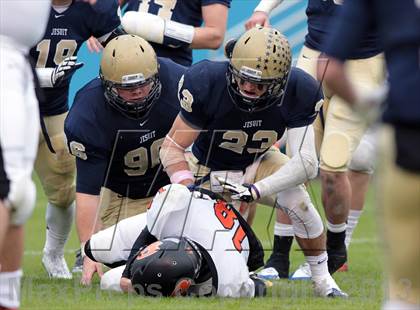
(70, 24)
(346, 159)
(223, 246)
(115, 129)
(22, 24)
(178, 26)
(399, 169)
(233, 112)
(4, 192)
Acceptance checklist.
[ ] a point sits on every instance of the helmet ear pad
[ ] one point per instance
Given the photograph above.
(229, 46)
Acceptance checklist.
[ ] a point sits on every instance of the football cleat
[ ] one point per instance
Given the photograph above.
(336, 259)
(302, 273)
(269, 273)
(327, 287)
(78, 264)
(56, 265)
(280, 263)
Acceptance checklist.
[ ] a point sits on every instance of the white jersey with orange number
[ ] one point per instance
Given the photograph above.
(212, 224)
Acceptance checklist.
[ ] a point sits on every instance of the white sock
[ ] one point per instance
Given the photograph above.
(283, 230)
(336, 228)
(10, 288)
(352, 221)
(319, 266)
(59, 222)
(400, 305)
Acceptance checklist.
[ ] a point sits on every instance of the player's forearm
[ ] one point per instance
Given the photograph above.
(300, 168)
(172, 156)
(207, 38)
(172, 151)
(212, 33)
(87, 209)
(267, 6)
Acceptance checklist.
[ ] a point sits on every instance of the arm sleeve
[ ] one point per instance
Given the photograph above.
(267, 6)
(348, 29)
(302, 166)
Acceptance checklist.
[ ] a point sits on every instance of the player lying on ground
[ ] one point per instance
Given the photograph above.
(206, 248)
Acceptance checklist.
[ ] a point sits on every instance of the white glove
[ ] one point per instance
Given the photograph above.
(244, 192)
(65, 70)
(368, 103)
(200, 195)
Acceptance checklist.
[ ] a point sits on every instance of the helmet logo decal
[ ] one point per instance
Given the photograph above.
(149, 250)
(181, 288)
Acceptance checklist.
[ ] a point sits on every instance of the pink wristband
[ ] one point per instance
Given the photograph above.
(181, 175)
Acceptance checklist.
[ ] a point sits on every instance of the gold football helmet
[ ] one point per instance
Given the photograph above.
(261, 56)
(128, 62)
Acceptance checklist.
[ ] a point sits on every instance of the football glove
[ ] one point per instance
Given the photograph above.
(65, 70)
(244, 192)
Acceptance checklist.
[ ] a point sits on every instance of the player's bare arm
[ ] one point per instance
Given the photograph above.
(87, 223)
(261, 13)
(173, 148)
(212, 33)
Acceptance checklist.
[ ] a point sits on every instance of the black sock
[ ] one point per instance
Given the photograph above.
(282, 245)
(335, 241)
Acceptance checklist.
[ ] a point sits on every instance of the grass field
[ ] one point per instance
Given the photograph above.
(363, 282)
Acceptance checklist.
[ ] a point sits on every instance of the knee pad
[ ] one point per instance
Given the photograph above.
(22, 199)
(363, 159)
(296, 203)
(335, 152)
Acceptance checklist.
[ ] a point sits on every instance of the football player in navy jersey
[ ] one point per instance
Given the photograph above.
(70, 24)
(115, 129)
(399, 170)
(174, 27)
(345, 149)
(234, 112)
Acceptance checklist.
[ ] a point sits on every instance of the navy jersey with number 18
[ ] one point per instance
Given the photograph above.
(64, 35)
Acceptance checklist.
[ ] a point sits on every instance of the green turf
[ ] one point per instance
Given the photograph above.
(363, 282)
